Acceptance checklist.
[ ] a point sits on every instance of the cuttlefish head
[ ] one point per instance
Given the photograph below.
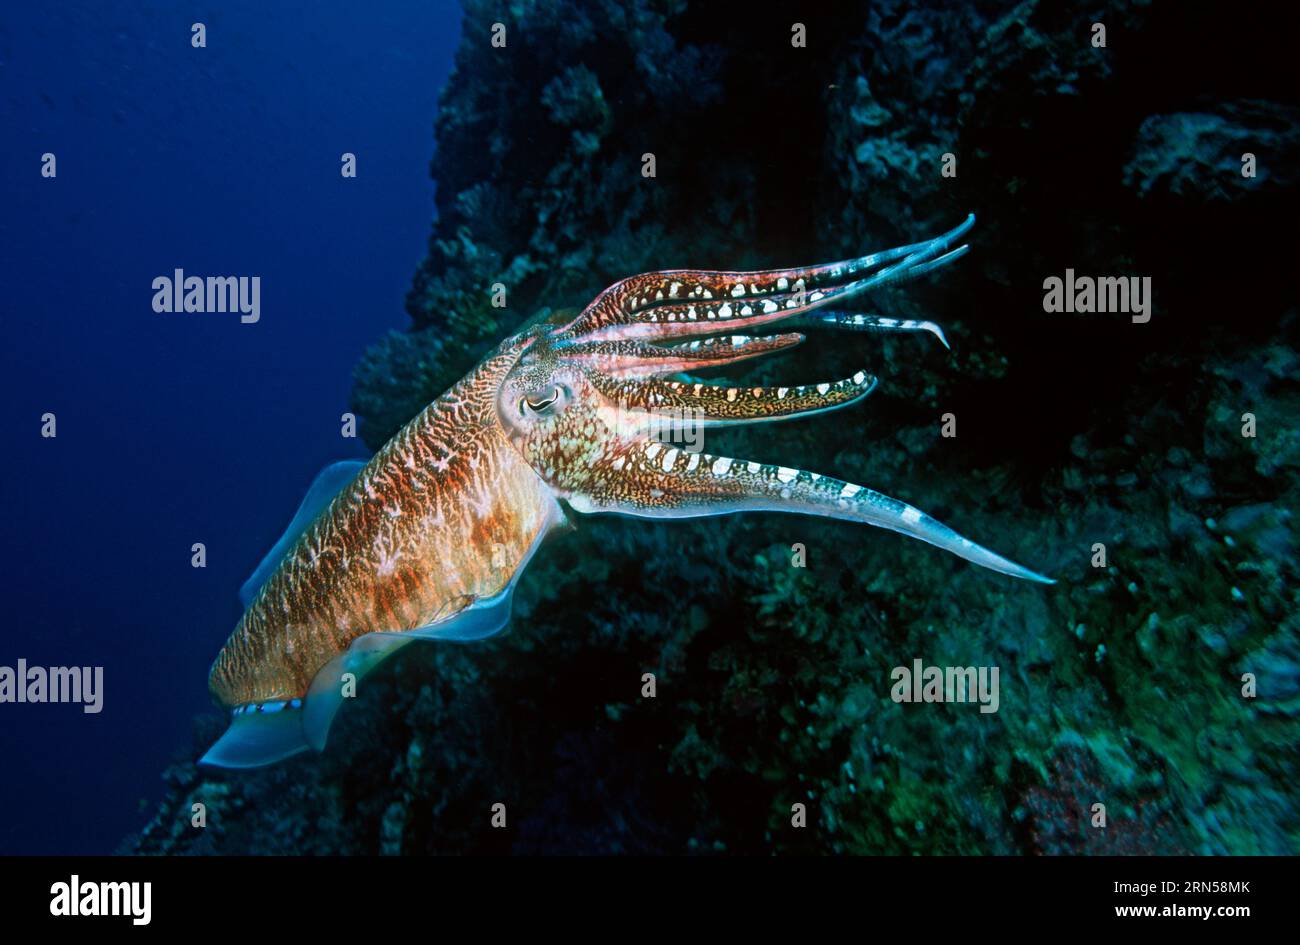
(603, 409)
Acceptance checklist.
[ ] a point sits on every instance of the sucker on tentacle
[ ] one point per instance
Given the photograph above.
(429, 538)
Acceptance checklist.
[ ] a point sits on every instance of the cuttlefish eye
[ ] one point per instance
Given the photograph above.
(541, 401)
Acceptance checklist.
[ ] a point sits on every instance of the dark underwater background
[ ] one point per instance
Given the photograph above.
(1120, 685)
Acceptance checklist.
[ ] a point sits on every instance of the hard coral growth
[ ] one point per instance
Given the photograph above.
(1077, 812)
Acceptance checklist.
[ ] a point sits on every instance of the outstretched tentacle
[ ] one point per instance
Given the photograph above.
(854, 321)
(690, 302)
(652, 480)
(638, 359)
(699, 404)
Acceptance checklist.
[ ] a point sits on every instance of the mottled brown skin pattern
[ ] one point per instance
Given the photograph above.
(442, 515)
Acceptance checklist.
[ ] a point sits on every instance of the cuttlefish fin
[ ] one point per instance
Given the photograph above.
(328, 483)
(477, 619)
(259, 735)
(269, 732)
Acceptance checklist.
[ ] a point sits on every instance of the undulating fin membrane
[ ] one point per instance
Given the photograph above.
(259, 735)
(481, 619)
(328, 483)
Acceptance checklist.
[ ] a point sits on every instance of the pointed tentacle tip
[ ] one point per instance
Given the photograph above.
(1014, 569)
(1034, 576)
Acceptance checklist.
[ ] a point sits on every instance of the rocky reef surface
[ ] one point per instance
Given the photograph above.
(1121, 685)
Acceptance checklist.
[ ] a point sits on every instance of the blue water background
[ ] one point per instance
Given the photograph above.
(176, 428)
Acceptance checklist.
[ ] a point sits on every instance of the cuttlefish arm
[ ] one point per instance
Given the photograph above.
(857, 321)
(644, 477)
(621, 347)
(691, 302)
(709, 405)
(648, 479)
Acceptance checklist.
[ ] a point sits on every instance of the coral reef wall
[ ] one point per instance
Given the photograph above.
(1121, 685)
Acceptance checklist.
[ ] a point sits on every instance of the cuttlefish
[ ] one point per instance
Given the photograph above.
(428, 539)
